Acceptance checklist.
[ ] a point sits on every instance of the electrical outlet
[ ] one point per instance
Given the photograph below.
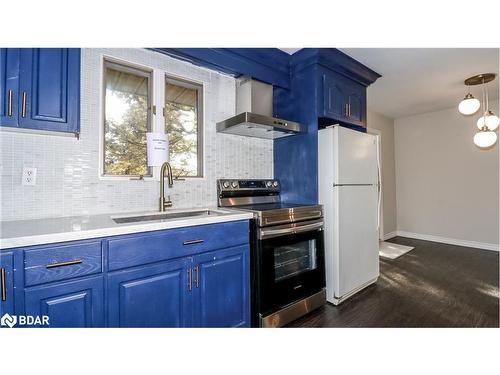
(29, 176)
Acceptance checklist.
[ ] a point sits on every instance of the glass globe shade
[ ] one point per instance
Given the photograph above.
(469, 105)
(485, 139)
(489, 120)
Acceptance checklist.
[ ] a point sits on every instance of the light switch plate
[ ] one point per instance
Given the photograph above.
(29, 176)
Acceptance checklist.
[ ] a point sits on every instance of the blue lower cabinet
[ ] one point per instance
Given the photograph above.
(151, 296)
(77, 303)
(189, 277)
(222, 288)
(6, 283)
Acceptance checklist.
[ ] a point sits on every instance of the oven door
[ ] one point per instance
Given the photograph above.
(292, 263)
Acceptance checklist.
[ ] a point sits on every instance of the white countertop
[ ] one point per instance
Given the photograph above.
(44, 231)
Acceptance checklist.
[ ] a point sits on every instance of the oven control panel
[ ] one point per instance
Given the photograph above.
(248, 185)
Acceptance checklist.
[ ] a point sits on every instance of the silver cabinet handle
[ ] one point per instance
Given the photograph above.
(9, 109)
(197, 277)
(23, 111)
(190, 279)
(192, 242)
(4, 287)
(63, 264)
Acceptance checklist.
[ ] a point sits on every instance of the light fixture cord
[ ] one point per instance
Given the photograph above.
(487, 100)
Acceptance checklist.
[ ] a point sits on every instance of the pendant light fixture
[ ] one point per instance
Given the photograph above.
(469, 105)
(488, 122)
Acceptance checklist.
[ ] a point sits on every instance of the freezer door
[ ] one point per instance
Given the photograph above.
(355, 250)
(356, 157)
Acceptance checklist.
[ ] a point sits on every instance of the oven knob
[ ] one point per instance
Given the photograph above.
(225, 184)
(275, 183)
(234, 184)
(269, 184)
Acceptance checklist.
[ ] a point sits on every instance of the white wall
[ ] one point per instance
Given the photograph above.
(446, 186)
(386, 127)
(68, 180)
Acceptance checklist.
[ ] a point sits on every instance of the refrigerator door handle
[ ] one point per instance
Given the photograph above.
(379, 186)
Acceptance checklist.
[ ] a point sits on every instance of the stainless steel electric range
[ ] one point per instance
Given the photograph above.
(287, 251)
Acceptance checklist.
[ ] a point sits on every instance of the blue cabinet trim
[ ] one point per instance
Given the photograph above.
(335, 60)
(269, 65)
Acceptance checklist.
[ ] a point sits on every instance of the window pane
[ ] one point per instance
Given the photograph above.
(126, 122)
(181, 125)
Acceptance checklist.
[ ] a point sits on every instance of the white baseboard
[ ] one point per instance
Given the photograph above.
(451, 241)
(389, 235)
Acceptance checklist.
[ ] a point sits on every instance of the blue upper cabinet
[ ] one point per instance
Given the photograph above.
(50, 89)
(343, 99)
(41, 89)
(9, 85)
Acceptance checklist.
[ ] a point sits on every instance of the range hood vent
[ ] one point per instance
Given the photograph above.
(254, 105)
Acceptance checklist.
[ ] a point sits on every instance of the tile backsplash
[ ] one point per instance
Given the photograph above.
(68, 182)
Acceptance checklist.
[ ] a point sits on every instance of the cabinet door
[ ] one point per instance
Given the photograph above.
(356, 99)
(150, 296)
(334, 96)
(221, 283)
(49, 96)
(68, 304)
(6, 284)
(9, 86)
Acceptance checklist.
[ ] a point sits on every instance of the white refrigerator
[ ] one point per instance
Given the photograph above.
(349, 190)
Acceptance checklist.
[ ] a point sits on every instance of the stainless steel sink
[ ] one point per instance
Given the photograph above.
(165, 216)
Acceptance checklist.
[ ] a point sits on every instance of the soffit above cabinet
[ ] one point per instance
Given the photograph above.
(335, 60)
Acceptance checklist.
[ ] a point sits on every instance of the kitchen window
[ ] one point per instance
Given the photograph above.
(130, 111)
(183, 124)
(127, 119)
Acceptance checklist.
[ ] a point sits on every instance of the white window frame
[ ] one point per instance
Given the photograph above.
(200, 117)
(158, 80)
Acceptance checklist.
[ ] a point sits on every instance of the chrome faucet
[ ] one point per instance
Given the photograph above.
(163, 202)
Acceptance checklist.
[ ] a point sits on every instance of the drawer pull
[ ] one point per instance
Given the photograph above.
(4, 287)
(62, 264)
(192, 242)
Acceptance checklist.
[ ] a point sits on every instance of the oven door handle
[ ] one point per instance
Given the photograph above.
(268, 233)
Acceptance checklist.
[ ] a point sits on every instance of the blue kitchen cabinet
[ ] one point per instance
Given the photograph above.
(41, 89)
(50, 89)
(9, 86)
(157, 295)
(78, 303)
(344, 99)
(182, 277)
(206, 282)
(6, 283)
(221, 285)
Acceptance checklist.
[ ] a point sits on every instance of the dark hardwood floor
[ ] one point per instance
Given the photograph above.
(434, 285)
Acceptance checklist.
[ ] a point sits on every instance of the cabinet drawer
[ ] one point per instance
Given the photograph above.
(54, 263)
(134, 250)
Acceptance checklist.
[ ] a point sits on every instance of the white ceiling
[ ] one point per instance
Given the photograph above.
(419, 80)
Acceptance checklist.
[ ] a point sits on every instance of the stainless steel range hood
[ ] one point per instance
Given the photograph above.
(254, 105)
